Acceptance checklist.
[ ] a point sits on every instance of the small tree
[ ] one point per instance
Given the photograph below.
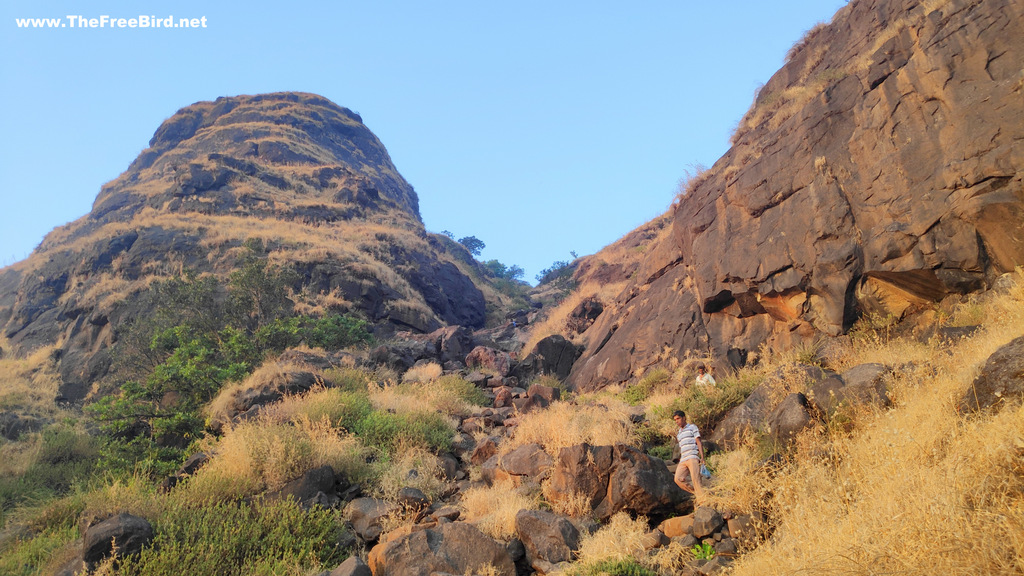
(473, 244)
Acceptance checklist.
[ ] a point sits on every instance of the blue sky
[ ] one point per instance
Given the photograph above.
(541, 128)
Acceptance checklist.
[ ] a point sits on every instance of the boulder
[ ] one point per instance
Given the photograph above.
(503, 397)
(677, 527)
(865, 384)
(789, 418)
(354, 566)
(489, 359)
(413, 498)
(366, 515)
(484, 450)
(545, 393)
(546, 536)
(748, 416)
(449, 548)
(315, 487)
(527, 462)
(1001, 381)
(193, 463)
(553, 356)
(12, 426)
(706, 521)
(127, 532)
(584, 315)
(614, 478)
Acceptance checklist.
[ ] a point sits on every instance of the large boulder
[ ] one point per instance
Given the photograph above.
(553, 356)
(614, 478)
(448, 548)
(526, 463)
(748, 416)
(367, 515)
(485, 358)
(789, 418)
(547, 537)
(123, 535)
(353, 566)
(1001, 381)
(863, 384)
(315, 487)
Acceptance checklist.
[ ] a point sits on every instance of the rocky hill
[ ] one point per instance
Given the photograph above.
(878, 172)
(300, 174)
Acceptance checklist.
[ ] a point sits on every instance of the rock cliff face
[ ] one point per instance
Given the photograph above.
(879, 171)
(297, 172)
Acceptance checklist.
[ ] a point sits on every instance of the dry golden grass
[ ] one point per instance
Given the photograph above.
(621, 538)
(948, 489)
(29, 384)
(493, 509)
(221, 406)
(576, 505)
(413, 468)
(423, 373)
(445, 394)
(266, 454)
(565, 424)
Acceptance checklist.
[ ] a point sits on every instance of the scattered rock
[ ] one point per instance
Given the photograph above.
(354, 566)
(706, 521)
(489, 359)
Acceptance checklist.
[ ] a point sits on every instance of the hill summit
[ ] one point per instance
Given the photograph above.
(296, 172)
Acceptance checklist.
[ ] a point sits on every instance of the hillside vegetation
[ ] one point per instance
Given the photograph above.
(947, 487)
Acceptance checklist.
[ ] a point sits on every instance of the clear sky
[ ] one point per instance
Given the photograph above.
(541, 128)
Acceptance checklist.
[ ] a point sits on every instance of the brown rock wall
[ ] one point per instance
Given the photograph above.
(880, 170)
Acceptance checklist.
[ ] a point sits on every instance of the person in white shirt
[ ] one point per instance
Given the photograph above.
(691, 455)
(703, 378)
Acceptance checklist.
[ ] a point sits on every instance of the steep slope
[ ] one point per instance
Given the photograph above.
(879, 171)
(295, 171)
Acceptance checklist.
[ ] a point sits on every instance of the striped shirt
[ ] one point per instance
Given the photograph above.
(687, 438)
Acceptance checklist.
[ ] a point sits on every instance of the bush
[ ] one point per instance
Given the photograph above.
(344, 409)
(386, 431)
(637, 393)
(627, 567)
(559, 270)
(66, 457)
(237, 538)
(347, 379)
(705, 407)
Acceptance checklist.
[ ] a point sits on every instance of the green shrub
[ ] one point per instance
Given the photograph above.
(237, 538)
(705, 407)
(640, 391)
(28, 557)
(463, 389)
(627, 567)
(655, 443)
(66, 457)
(703, 551)
(347, 379)
(343, 408)
(386, 431)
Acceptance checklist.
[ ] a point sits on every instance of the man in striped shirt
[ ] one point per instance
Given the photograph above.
(691, 455)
